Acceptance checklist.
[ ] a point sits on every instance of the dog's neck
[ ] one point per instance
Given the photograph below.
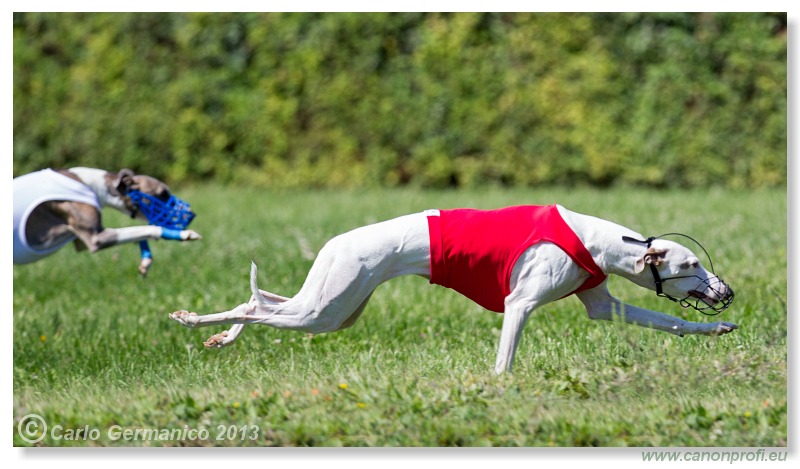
(603, 240)
(101, 181)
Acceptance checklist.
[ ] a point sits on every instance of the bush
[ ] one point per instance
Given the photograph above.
(349, 100)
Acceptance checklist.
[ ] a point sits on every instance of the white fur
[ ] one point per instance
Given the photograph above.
(95, 179)
(350, 266)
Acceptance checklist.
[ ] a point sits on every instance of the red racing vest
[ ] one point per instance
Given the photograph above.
(474, 251)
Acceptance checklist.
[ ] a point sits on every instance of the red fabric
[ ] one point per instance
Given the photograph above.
(474, 251)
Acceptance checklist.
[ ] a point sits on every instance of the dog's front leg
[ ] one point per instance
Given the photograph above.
(601, 305)
(131, 234)
(95, 241)
(514, 320)
(542, 274)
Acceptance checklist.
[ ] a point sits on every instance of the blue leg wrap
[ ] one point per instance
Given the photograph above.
(145, 248)
(167, 233)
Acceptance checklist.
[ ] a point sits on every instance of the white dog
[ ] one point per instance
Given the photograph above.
(510, 260)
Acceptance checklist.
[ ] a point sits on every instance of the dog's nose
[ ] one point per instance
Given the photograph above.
(723, 290)
(718, 289)
(728, 293)
(725, 295)
(715, 291)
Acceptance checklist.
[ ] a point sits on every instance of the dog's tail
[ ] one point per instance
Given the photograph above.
(254, 286)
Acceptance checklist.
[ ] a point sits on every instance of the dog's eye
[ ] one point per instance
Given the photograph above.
(691, 264)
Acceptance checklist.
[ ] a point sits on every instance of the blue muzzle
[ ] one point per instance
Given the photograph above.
(173, 214)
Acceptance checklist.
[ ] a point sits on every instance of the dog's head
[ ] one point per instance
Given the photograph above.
(149, 199)
(675, 272)
(125, 181)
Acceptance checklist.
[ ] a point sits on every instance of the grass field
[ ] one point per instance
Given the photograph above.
(94, 349)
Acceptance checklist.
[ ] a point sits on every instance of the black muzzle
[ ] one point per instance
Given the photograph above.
(721, 294)
(720, 297)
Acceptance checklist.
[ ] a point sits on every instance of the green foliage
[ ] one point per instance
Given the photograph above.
(435, 100)
(93, 345)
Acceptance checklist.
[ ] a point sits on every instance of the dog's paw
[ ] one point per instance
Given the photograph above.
(144, 265)
(223, 339)
(720, 328)
(184, 318)
(190, 235)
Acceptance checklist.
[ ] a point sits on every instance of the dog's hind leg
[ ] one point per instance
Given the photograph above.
(242, 314)
(320, 306)
(344, 275)
(356, 314)
(225, 338)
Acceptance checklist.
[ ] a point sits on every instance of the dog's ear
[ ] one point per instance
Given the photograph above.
(125, 181)
(652, 256)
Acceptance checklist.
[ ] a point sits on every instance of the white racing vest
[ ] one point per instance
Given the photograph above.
(32, 190)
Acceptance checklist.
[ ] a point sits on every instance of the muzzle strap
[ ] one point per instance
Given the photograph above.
(647, 241)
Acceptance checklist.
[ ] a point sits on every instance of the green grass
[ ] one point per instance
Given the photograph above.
(93, 345)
